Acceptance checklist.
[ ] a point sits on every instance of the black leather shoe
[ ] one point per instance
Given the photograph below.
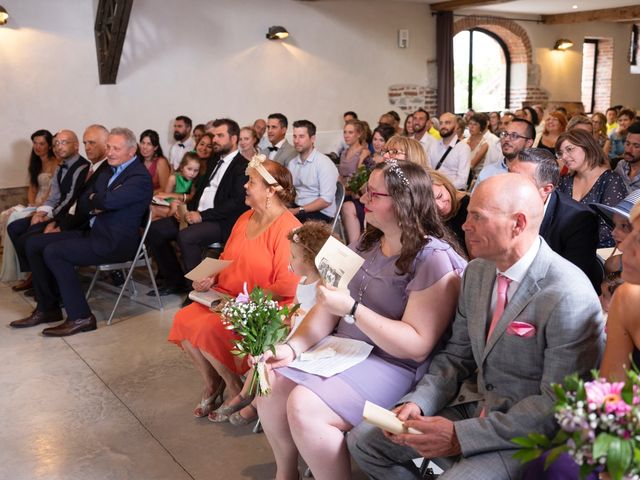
(167, 290)
(36, 318)
(117, 278)
(71, 327)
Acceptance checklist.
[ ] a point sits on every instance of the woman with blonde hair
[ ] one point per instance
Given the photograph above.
(357, 151)
(554, 126)
(452, 205)
(599, 122)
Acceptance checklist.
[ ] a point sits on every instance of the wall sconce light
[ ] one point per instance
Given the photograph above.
(4, 16)
(277, 33)
(563, 44)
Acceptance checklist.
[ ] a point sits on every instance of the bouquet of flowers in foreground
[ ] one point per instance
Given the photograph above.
(261, 324)
(599, 427)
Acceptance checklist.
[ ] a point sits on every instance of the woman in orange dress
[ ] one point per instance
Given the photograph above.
(259, 250)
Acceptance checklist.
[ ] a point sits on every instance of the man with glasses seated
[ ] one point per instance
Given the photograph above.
(66, 185)
(629, 167)
(516, 136)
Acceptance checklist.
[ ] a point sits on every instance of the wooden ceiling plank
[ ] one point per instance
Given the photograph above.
(452, 5)
(603, 15)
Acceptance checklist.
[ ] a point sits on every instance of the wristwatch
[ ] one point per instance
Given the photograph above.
(300, 209)
(350, 317)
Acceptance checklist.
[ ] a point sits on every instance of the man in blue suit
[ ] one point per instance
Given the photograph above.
(114, 207)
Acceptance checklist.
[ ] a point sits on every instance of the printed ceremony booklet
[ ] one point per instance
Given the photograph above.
(385, 419)
(332, 355)
(337, 263)
(206, 268)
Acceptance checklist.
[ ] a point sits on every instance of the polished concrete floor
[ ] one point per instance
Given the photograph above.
(115, 403)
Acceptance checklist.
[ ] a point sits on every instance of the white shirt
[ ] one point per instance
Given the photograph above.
(494, 154)
(426, 141)
(515, 273)
(273, 153)
(491, 138)
(456, 166)
(176, 152)
(207, 200)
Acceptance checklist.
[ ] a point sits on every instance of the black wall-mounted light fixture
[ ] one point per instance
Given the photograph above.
(563, 44)
(277, 33)
(4, 16)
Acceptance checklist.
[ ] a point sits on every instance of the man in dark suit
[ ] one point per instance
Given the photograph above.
(570, 228)
(213, 211)
(66, 184)
(114, 208)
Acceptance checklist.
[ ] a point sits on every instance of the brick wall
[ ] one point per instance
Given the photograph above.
(408, 98)
(12, 196)
(604, 72)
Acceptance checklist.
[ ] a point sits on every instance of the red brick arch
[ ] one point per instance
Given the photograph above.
(512, 34)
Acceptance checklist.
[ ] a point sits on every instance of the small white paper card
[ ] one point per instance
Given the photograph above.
(332, 355)
(385, 419)
(206, 268)
(337, 263)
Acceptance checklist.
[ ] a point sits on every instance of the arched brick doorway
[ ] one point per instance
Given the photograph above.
(524, 74)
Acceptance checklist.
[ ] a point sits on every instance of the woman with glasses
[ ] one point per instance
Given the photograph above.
(400, 301)
(589, 180)
(396, 147)
(554, 126)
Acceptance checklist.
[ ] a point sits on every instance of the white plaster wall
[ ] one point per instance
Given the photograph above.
(204, 59)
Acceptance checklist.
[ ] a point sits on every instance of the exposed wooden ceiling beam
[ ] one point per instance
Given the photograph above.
(607, 14)
(452, 5)
(112, 20)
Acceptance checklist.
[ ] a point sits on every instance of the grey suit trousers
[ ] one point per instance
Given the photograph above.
(381, 459)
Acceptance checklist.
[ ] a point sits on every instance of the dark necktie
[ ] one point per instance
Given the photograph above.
(181, 145)
(215, 169)
(273, 149)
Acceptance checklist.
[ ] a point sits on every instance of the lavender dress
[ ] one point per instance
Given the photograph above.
(381, 378)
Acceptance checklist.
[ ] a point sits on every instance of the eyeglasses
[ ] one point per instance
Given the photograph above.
(391, 152)
(62, 142)
(568, 150)
(513, 136)
(373, 195)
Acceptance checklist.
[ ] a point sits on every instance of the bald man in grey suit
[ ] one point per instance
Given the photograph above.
(492, 380)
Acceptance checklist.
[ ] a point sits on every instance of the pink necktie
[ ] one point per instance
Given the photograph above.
(501, 302)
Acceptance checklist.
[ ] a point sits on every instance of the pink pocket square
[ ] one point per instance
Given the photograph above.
(521, 329)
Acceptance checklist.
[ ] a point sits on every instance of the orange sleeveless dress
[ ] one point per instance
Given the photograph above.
(263, 262)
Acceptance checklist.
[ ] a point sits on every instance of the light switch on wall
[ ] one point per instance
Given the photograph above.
(403, 38)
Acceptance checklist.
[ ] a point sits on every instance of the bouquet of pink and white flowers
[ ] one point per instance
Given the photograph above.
(261, 324)
(599, 427)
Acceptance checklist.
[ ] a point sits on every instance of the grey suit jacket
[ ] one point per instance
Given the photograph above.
(284, 154)
(511, 376)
